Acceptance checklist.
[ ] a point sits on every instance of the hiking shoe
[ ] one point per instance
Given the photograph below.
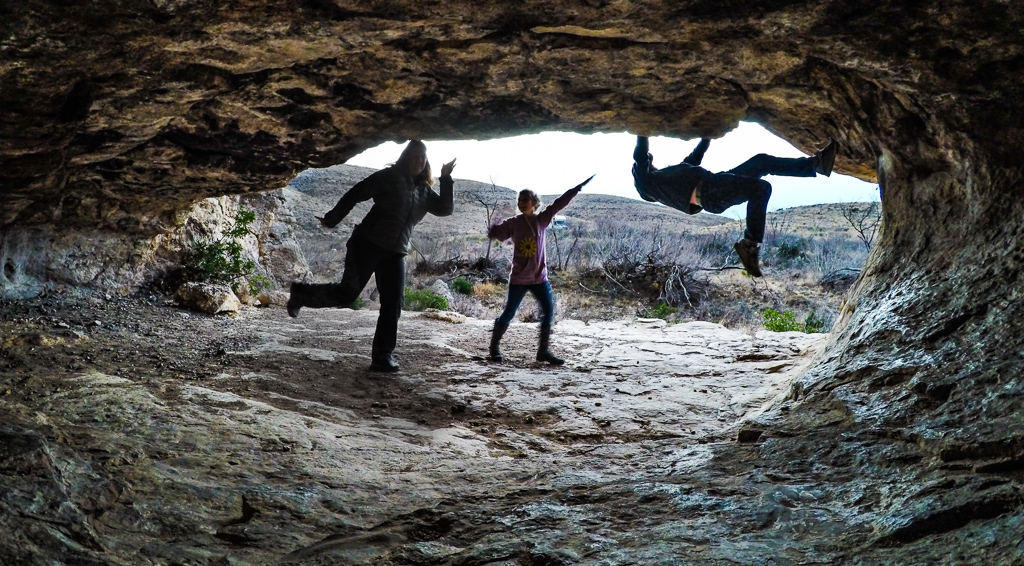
(545, 356)
(825, 158)
(384, 365)
(748, 252)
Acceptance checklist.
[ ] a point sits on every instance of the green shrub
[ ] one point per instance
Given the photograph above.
(424, 299)
(785, 321)
(661, 310)
(814, 324)
(221, 261)
(357, 304)
(789, 251)
(258, 283)
(462, 286)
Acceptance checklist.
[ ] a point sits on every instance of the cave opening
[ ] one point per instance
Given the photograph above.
(668, 264)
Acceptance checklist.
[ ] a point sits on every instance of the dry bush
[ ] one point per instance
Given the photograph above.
(650, 263)
(326, 260)
(833, 254)
(433, 250)
(487, 290)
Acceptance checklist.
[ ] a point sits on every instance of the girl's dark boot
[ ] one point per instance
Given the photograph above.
(543, 354)
(494, 353)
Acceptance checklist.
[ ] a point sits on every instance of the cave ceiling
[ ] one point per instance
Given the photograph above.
(116, 113)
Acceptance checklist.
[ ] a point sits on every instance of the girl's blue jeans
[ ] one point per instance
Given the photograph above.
(542, 291)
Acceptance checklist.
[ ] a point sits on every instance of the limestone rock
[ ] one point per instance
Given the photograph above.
(273, 298)
(441, 289)
(207, 297)
(446, 316)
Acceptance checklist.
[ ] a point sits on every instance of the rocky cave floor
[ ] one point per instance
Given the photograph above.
(140, 433)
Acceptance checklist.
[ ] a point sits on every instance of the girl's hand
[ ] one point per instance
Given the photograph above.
(446, 169)
(322, 222)
(580, 186)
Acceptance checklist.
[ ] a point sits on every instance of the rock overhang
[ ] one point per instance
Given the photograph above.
(139, 107)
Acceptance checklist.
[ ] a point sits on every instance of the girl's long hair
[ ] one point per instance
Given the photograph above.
(426, 176)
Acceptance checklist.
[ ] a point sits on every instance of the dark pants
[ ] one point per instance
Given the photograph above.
(744, 184)
(542, 291)
(362, 260)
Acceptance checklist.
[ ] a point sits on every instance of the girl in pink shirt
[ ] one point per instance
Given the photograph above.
(529, 269)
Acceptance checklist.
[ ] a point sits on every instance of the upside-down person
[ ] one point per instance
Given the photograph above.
(690, 188)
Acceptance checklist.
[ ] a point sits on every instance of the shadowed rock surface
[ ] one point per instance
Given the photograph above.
(115, 116)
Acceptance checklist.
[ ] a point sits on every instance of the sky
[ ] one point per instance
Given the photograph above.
(553, 162)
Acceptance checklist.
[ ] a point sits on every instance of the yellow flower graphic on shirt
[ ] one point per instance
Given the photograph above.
(528, 247)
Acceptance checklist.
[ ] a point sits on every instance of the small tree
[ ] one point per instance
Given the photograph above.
(574, 236)
(490, 204)
(778, 225)
(864, 220)
(220, 261)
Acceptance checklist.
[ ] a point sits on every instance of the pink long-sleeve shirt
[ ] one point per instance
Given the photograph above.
(529, 265)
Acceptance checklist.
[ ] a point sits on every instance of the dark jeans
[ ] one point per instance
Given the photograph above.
(744, 184)
(362, 260)
(546, 299)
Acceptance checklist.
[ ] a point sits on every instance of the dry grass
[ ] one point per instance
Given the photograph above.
(488, 291)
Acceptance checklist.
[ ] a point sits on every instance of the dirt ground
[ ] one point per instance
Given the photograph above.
(184, 413)
(153, 341)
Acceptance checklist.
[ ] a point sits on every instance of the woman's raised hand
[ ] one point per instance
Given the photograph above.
(446, 169)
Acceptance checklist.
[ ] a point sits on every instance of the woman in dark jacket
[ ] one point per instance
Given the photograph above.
(401, 197)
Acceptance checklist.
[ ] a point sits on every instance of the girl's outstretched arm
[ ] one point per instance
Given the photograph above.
(560, 203)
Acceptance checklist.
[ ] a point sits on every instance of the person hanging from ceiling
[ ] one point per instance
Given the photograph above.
(690, 188)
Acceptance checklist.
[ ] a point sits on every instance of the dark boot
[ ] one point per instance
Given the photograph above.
(748, 250)
(543, 354)
(494, 353)
(385, 364)
(826, 158)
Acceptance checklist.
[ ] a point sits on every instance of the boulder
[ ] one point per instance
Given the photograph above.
(207, 297)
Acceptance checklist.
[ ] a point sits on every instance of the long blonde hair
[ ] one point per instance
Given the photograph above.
(425, 176)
